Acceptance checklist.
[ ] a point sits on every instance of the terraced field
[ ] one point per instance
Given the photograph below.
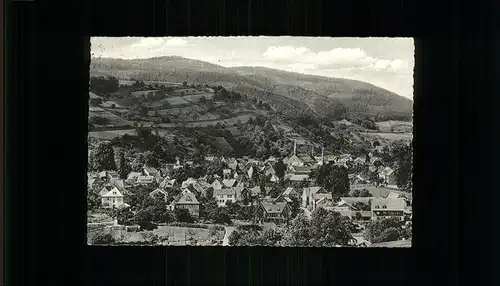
(110, 134)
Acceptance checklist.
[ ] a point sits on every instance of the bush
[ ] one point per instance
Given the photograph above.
(104, 238)
(390, 234)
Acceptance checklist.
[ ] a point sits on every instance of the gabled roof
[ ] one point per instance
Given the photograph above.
(188, 198)
(388, 204)
(216, 184)
(387, 171)
(221, 192)
(118, 183)
(325, 203)
(318, 196)
(301, 169)
(255, 190)
(106, 189)
(151, 171)
(299, 177)
(113, 193)
(188, 182)
(133, 175)
(145, 179)
(167, 183)
(274, 207)
(393, 195)
(306, 158)
(158, 191)
(229, 183)
(352, 200)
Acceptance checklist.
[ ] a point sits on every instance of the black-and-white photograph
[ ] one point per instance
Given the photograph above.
(250, 141)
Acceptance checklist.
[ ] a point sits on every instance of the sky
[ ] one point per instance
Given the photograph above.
(385, 62)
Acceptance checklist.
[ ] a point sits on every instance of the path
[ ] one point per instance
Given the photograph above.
(229, 230)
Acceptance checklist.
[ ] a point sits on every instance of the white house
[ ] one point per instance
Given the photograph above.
(112, 198)
(223, 196)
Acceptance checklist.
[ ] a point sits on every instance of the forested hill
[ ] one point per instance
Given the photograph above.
(326, 97)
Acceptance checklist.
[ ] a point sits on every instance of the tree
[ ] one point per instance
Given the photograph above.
(103, 239)
(183, 215)
(334, 178)
(403, 153)
(364, 193)
(329, 228)
(280, 169)
(184, 83)
(124, 215)
(298, 232)
(142, 216)
(374, 230)
(93, 200)
(221, 215)
(104, 158)
(123, 166)
(389, 234)
(294, 206)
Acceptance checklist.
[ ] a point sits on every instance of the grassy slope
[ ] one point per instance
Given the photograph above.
(314, 93)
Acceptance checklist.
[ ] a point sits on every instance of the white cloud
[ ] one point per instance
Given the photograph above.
(338, 58)
(177, 42)
(286, 53)
(151, 43)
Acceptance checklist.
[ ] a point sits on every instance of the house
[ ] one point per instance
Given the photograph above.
(148, 171)
(226, 173)
(200, 188)
(349, 207)
(288, 193)
(145, 180)
(188, 182)
(360, 161)
(159, 192)
(232, 163)
(271, 160)
(112, 199)
(167, 183)
(300, 170)
(299, 178)
(268, 170)
(273, 212)
(388, 175)
(229, 183)
(325, 203)
(217, 185)
(255, 191)
(112, 175)
(306, 159)
(102, 175)
(209, 158)
(394, 195)
(388, 208)
(274, 178)
(188, 201)
(310, 195)
(224, 195)
(132, 177)
(119, 183)
(293, 161)
(250, 172)
(90, 182)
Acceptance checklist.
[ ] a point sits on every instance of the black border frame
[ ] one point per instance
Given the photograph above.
(46, 234)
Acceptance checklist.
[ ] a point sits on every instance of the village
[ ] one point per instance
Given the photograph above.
(161, 206)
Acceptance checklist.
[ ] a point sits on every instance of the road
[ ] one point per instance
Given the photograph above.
(229, 230)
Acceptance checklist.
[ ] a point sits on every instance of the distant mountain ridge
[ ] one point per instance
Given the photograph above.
(319, 95)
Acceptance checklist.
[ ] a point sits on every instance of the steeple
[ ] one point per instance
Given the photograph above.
(294, 147)
(312, 151)
(322, 154)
